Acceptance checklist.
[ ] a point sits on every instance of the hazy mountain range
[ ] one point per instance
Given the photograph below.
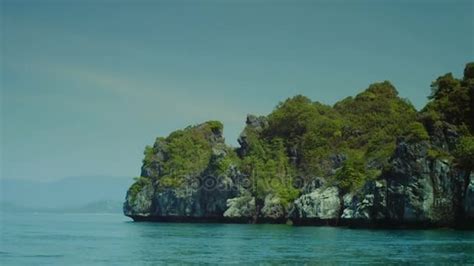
(72, 194)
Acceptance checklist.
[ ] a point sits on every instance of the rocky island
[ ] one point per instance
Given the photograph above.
(371, 160)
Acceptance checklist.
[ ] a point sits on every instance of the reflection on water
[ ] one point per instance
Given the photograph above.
(83, 239)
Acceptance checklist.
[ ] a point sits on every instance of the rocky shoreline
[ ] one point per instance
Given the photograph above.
(401, 198)
(352, 223)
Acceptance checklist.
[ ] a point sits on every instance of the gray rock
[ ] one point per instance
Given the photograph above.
(469, 198)
(421, 189)
(258, 123)
(337, 160)
(243, 206)
(207, 198)
(350, 206)
(313, 184)
(369, 204)
(272, 208)
(444, 136)
(322, 203)
(254, 125)
(141, 203)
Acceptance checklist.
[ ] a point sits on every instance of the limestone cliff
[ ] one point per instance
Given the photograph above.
(369, 160)
(187, 176)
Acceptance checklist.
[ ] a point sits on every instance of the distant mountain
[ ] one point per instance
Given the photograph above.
(103, 206)
(67, 193)
(9, 207)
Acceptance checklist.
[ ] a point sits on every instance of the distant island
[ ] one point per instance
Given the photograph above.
(101, 207)
(371, 160)
(74, 194)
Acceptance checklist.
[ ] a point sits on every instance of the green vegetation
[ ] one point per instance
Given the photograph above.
(268, 168)
(452, 100)
(311, 130)
(185, 154)
(465, 152)
(417, 132)
(352, 175)
(222, 165)
(215, 126)
(188, 152)
(437, 153)
(149, 153)
(366, 126)
(140, 182)
(373, 121)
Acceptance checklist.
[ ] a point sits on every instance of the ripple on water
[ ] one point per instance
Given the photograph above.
(108, 239)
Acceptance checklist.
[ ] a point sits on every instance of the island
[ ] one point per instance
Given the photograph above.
(371, 160)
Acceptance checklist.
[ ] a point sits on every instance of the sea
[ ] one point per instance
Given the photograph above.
(113, 239)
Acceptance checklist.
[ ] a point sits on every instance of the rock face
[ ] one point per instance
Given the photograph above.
(254, 124)
(421, 189)
(411, 192)
(321, 204)
(242, 207)
(369, 205)
(417, 190)
(272, 209)
(202, 194)
(141, 203)
(469, 200)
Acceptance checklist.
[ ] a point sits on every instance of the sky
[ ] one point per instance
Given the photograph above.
(85, 85)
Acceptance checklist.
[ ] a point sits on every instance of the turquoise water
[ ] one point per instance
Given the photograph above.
(45, 239)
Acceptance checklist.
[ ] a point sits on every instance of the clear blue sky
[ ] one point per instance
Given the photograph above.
(87, 84)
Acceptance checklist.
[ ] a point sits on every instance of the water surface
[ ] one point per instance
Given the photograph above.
(61, 239)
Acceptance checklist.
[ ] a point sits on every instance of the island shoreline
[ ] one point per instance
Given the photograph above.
(343, 223)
